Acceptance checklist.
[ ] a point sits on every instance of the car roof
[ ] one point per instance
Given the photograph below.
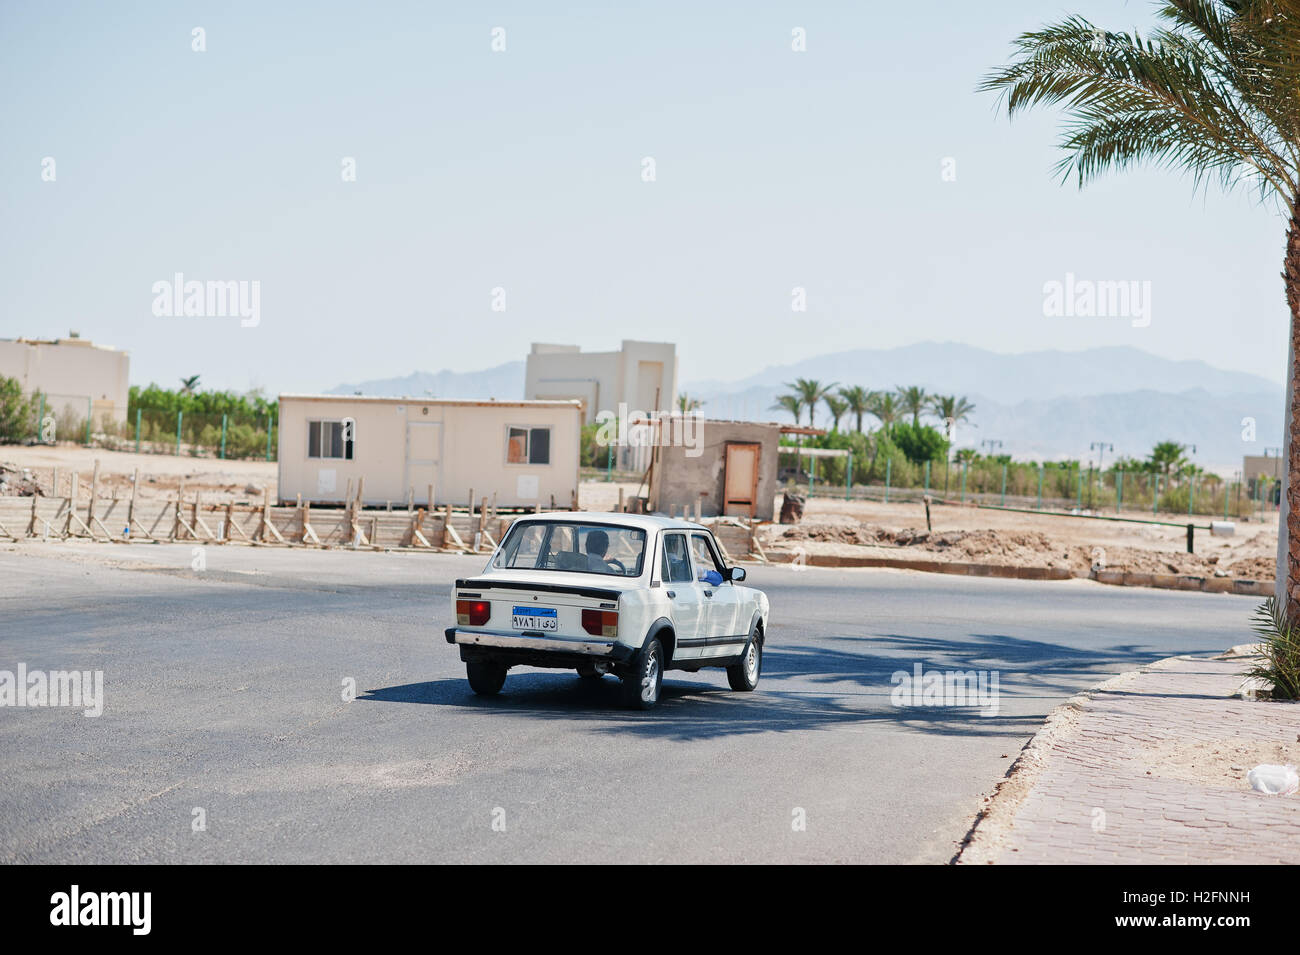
(648, 522)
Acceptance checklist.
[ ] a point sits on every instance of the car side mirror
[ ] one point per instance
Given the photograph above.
(736, 574)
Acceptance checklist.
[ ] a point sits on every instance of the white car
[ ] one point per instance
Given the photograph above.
(601, 593)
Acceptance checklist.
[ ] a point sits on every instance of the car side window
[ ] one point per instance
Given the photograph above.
(677, 562)
(705, 558)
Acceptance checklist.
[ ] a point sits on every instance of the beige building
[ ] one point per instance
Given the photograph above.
(727, 467)
(72, 373)
(523, 452)
(631, 376)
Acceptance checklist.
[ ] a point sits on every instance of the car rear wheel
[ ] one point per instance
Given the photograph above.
(485, 679)
(743, 676)
(645, 676)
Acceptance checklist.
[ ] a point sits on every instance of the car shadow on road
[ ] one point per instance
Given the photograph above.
(692, 710)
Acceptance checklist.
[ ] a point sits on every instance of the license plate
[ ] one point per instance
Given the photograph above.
(534, 618)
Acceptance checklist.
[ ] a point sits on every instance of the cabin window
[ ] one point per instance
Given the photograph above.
(528, 445)
(330, 439)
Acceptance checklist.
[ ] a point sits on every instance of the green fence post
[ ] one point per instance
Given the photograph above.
(609, 462)
(1039, 505)
(1226, 486)
(965, 466)
(1079, 505)
(1155, 498)
(40, 421)
(889, 468)
(138, 413)
(927, 477)
(89, 412)
(1119, 489)
(1004, 483)
(1191, 493)
(848, 480)
(223, 437)
(180, 416)
(270, 424)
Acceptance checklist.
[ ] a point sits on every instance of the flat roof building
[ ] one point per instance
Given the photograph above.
(432, 450)
(72, 373)
(640, 375)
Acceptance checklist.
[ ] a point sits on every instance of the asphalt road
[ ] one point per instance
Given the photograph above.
(224, 693)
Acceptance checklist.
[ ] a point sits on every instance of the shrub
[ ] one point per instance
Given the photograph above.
(1280, 646)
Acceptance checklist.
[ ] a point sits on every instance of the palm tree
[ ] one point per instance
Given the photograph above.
(189, 385)
(858, 400)
(914, 401)
(884, 406)
(686, 404)
(810, 392)
(951, 409)
(838, 408)
(1213, 95)
(1167, 456)
(789, 403)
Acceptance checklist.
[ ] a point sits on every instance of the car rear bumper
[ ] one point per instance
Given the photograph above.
(529, 650)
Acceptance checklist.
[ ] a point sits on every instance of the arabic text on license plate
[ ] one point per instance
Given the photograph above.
(534, 618)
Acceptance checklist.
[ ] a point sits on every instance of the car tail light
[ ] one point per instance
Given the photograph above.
(600, 623)
(472, 613)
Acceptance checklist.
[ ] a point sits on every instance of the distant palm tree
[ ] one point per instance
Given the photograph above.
(189, 385)
(838, 408)
(789, 403)
(914, 400)
(951, 409)
(1167, 456)
(858, 400)
(687, 404)
(885, 406)
(810, 392)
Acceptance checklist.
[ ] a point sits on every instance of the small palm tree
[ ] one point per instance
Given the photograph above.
(810, 392)
(792, 404)
(686, 404)
(914, 400)
(951, 409)
(189, 385)
(838, 408)
(858, 400)
(885, 407)
(1167, 457)
(1213, 95)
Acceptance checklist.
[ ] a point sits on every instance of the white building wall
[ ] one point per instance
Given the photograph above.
(604, 380)
(410, 443)
(72, 372)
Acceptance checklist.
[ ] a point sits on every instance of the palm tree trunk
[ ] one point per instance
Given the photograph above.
(1288, 551)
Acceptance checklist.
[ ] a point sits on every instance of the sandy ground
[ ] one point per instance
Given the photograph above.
(966, 533)
(160, 474)
(830, 526)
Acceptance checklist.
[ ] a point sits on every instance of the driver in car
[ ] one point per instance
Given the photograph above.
(597, 545)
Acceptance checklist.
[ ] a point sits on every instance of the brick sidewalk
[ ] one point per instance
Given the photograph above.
(1150, 768)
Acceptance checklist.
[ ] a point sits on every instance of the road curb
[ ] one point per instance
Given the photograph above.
(1116, 578)
(986, 837)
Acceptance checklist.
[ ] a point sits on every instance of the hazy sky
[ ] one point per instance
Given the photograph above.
(522, 170)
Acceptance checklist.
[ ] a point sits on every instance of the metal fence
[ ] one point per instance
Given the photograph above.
(1048, 487)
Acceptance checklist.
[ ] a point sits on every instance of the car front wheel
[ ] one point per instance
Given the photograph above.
(645, 676)
(485, 679)
(744, 675)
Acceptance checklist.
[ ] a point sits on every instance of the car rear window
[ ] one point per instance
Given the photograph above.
(573, 547)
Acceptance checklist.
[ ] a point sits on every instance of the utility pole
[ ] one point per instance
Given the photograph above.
(1101, 447)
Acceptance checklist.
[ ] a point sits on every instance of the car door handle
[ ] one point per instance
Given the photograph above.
(672, 594)
(708, 593)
